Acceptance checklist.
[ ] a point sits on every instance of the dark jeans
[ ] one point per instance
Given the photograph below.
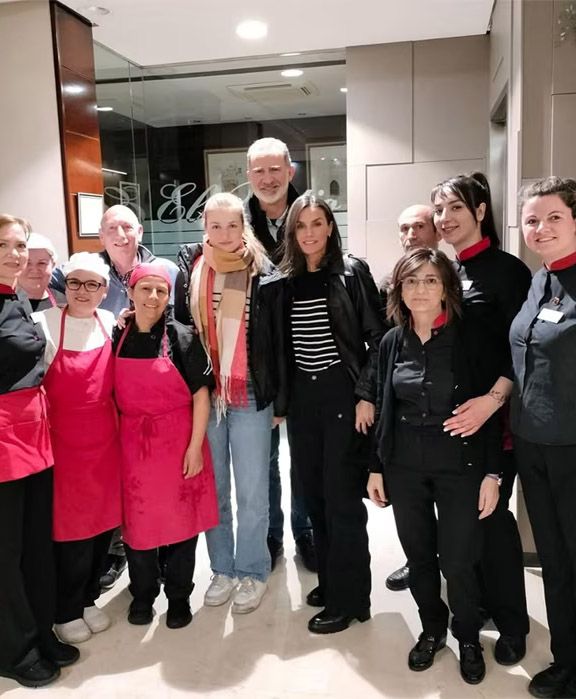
(27, 580)
(79, 565)
(144, 570)
(325, 451)
(299, 520)
(502, 566)
(548, 475)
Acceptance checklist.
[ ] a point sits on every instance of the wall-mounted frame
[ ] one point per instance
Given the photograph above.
(225, 169)
(327, 173)
(90, 211)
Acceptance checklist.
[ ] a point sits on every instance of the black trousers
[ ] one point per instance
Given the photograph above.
(502, 565)
(450, 542)
(27, 585)
(79, 565)
(326, 454)
(144, 569)
(548, 475)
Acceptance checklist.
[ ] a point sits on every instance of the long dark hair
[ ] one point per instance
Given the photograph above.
(293, 262)
(397, 310)
(473, 190)
(564, 187)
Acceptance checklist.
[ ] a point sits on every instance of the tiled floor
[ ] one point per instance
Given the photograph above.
(269, 654)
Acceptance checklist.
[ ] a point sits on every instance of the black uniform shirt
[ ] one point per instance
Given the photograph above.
(495, 285)
(184, 349)
(46, 303)
(21, 344)
(543, 408)
(422, 379)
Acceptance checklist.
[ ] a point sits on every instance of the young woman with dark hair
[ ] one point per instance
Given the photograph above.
(495, 285)
(429, 363)
(335, 327)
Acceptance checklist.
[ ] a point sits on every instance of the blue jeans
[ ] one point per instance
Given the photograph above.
(243, 435)
(299, 520)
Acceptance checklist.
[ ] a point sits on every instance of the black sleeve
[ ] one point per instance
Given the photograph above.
(181, 310)
(189, 357)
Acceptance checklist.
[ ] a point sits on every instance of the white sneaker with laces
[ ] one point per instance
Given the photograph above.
(75, 631)
(219, 590)
(248, 595)
(96, 619)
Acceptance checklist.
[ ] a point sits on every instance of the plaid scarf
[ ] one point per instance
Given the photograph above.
(223, 332)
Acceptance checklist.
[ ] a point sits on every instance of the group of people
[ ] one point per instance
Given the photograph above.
(149, 386)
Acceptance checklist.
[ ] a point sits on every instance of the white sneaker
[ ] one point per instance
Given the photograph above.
(248, 595)
(76, 631)
(219, 590)
(96, 619)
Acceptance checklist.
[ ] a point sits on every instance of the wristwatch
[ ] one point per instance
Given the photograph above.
(495, 477)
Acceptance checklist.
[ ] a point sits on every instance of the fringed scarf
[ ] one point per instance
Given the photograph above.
(223, 331)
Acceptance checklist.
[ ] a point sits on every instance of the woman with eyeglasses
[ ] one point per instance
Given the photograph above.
(84, 432)
(30, 653)
(431, 362)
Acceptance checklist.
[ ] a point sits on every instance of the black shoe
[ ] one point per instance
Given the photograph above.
(422, 655)
(333, 623)
(552, 681)
(140, 613)
(472, 667)
(510, 650)
(117, 566)
(276, 549)
(37, 673)
(305, 547)
(399, 579)
(61, 654)
(315, 598)
(179, 614)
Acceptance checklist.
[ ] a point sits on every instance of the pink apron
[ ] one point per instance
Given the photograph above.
(24, 437)
(160, 506)
(84, 431)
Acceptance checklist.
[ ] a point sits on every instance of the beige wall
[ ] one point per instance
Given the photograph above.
(416, 114)
(31, 168)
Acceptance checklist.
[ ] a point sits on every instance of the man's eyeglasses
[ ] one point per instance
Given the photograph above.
(76, 284)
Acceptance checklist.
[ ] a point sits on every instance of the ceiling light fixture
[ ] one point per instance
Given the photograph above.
(343, 89)
(252, 29)
(104, 109)
(292, 73)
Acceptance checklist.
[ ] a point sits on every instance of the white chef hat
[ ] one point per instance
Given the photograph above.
(86, 262)
(37, 241)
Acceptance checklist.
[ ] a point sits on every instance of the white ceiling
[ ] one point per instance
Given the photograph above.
(156, 32)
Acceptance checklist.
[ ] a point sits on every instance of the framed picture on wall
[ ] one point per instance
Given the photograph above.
(90, 210)
(327, 173)
(225, 171)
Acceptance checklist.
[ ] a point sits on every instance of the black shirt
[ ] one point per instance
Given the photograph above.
(21, 344)
(184, 349)
(45, 304)
(423, 380)
(543, 408)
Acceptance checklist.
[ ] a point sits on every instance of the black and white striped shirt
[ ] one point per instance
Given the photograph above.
(312, 339)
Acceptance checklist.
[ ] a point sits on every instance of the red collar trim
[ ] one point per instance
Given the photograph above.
(440, 321)
(5, 289)
(562, 263)
(474, 250)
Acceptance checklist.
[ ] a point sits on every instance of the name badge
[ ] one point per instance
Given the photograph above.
(466, 284)
(550, 315)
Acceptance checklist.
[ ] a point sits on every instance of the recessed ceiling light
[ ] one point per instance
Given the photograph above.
(343, 89)
(292, 73)
(292, 53)
(252, 29)
(104, 109)
(95, 10)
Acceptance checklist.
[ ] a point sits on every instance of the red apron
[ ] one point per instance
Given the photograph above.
(84, 430)
(24, 437)
(160, 506)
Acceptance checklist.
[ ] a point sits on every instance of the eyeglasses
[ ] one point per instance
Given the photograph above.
(428, 282)
(90, 286)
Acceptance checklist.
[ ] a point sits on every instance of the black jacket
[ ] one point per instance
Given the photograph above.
(355, 320)
(258, 220)
(475, 371)
(266, 338)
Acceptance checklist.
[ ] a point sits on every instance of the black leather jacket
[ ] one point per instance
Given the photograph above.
(355, 319)
(266, 336)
